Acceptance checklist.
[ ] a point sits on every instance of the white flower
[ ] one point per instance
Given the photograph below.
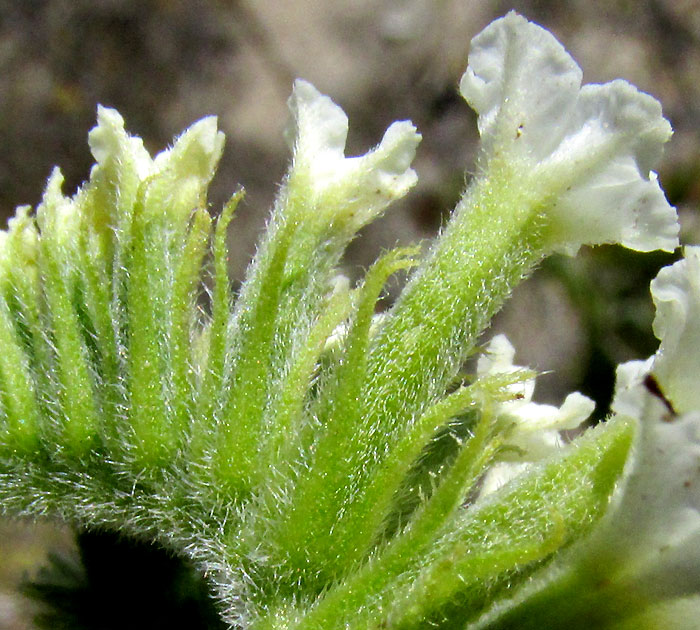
(358, 188)
(672, 375)
(195, 153)
(109, 141)
(590, 148)
(630, 393)
(535, 432)
(676, 293)
(640, 566)
(177, 177)
(651, 533)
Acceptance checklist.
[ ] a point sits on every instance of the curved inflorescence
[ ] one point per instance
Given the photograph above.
(327, 467)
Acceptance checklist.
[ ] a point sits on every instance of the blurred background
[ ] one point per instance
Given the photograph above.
(166, 63)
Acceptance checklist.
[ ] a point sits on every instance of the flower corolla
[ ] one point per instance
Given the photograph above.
(535, 431)
(660, 501)
(365, 185)
(589, 150)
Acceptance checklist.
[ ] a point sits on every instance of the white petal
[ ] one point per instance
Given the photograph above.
(676, 293)
(387, 166)
(497, 358)
(535, 430)
(615, 205)
(181, 174)
(575, 409)
(653, 528)
(108, 140)
(616, 135)
(611, 120)
(652, 531)
(537, 434)
(195, 153)
(589, 150)
(676, 365)
(317, 129)
(354, 189)
(523, 84)
(535, 437)
(178, 177)
(630, 394)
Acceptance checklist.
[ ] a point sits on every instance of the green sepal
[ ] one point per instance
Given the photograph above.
(310, 533)
(484, 552)
(59, 220)
(213, 337)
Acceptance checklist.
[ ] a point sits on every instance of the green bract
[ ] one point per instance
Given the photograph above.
(326, 467)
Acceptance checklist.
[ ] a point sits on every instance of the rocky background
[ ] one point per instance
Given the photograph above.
(165, 63)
